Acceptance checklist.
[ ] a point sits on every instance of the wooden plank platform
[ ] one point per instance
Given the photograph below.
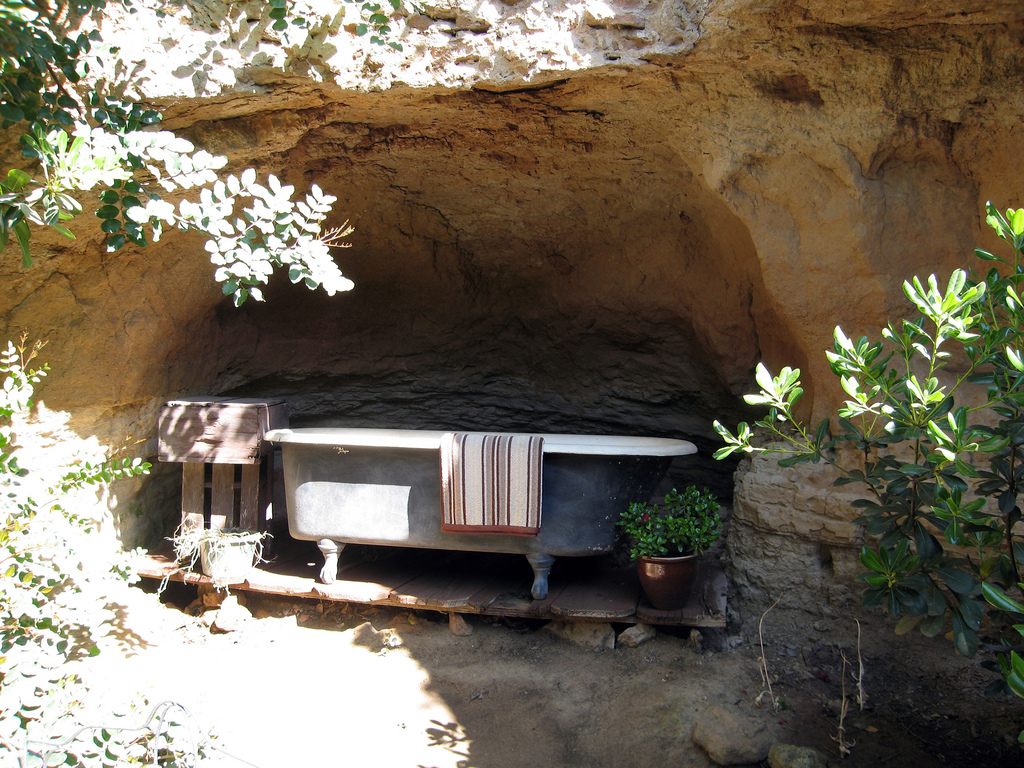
(584, 589)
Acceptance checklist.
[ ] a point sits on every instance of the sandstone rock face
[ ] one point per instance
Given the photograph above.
(572, 217)
(207, 47)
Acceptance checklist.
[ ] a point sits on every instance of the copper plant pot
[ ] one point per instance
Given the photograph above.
(668, 581)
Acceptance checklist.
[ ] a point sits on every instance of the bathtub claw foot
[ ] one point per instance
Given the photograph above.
(541, 564)
(331, 550)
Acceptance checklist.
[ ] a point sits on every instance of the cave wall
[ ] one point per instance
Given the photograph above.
(514, 269)
(599, 223)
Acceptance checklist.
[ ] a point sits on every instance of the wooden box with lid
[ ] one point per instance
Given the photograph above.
(227, 466)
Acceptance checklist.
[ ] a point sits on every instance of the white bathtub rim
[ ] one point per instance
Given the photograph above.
(591, 445)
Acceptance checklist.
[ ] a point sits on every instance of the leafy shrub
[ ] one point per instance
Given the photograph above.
(47, 611)
(935, 438)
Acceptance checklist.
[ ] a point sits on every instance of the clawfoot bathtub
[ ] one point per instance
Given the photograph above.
(382, 486)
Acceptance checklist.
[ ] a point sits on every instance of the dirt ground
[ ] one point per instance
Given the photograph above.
(333, 684)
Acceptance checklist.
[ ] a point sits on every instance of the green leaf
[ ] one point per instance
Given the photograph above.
(956, 580)
(22, 233)
(964, 638)
(1015, 680)
(984, 255)
(871, 560)
(954, 533)
(907, 623)
(914, 470)
(1017, 664)
(792, 461)
(11, 112)
(932, 625)
(16, 179)
(1016, 220)
(995, 597)
(927, 545)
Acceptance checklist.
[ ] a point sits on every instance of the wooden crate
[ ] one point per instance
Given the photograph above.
(214, 430)
(227, 466)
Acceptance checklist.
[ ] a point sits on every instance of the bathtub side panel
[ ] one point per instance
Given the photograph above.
(392, 496)
(367, 495)
(583, 497)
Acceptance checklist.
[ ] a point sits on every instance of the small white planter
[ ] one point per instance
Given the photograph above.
(229, 559)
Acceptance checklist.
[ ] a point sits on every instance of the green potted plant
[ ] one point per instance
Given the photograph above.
(667, 539)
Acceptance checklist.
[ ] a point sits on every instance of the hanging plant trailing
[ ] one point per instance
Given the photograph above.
(225, 555)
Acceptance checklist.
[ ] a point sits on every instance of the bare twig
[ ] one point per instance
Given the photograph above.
(332, 237)
(844, 706)
(861, 696)
(766, 679)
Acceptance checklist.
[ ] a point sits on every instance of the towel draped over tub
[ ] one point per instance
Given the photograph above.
(491, 483)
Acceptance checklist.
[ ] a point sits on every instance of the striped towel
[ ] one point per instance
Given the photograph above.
(490, 483)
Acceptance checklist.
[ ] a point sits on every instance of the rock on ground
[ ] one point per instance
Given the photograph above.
(597, 635)
(732, 738)
(231, 616)
(458, 625)
(366, 636)
(792, 756)
(636, 635)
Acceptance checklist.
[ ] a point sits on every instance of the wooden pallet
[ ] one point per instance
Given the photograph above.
(468, 582)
